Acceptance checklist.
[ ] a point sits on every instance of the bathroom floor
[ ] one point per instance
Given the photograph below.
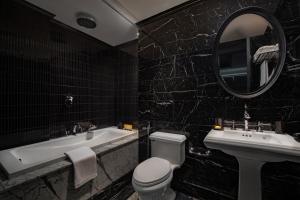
(179, 196)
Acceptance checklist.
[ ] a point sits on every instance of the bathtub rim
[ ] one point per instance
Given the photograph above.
(12, 167)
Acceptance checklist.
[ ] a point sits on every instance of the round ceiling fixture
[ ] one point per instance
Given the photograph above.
(86, 20)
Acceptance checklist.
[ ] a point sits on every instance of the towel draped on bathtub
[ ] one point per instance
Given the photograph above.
(84, 163)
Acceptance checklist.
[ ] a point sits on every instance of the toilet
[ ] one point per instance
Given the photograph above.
(152, 178)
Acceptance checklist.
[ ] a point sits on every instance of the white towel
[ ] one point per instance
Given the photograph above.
(85, 165)
(264, 72)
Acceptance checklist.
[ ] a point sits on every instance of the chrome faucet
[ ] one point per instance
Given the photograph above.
(76, 129)
(259, 126)
(246, 117)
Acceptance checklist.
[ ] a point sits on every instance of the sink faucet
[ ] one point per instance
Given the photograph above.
(246, 117)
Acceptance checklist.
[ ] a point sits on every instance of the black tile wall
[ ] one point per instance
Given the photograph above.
(178, 91)
(43, 61)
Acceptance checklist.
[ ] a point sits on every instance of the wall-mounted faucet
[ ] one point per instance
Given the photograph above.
(76, 129)
(246, 117)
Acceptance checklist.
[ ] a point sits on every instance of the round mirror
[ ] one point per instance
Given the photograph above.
(249, 52)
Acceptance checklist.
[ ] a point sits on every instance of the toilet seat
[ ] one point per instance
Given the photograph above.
(152, 172)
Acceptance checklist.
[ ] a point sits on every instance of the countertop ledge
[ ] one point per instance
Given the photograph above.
(6, 184)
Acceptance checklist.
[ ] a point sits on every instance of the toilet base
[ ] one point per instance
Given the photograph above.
(171, 194)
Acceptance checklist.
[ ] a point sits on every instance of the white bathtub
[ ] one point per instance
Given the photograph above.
(26, 158)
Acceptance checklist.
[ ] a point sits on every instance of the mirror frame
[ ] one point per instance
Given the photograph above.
(282, 50)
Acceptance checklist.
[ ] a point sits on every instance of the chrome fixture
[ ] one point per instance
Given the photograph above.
(201, 152)
(260, 126)
(76, 129)
(231, 123)
(246, 117)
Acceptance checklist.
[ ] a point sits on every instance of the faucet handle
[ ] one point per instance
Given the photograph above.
(77, 128)
(263, 126)
(259, 126)
(229, 123)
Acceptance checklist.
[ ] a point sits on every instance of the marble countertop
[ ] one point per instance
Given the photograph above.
(6, 184)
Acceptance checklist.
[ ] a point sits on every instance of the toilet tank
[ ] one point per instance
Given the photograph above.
(168, 146)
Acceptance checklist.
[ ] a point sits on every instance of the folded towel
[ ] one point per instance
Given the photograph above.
(85, 165)
(264, 72)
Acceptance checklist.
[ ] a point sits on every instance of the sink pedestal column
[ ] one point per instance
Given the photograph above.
(249, 179)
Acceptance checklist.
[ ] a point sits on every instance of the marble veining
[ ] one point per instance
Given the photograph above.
(178, 91)
(56, 181)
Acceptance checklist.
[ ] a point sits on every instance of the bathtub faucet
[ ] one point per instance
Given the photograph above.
(76, 129)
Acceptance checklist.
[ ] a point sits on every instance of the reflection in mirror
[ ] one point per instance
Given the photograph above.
(248, 53)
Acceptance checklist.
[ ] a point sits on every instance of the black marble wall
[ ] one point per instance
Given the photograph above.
(178, 91)
(42, 62)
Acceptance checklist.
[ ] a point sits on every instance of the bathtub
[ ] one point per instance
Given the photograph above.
(23, 159)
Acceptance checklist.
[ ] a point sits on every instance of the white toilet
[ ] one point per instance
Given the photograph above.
(152, 178)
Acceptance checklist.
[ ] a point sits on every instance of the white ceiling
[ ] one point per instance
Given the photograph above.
(111, 28)
(138, 10)
(115, 18)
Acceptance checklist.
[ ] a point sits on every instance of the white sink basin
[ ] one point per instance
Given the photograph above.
(252, 149)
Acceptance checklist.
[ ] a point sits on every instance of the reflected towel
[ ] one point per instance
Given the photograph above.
(85, 165)
(264, 72)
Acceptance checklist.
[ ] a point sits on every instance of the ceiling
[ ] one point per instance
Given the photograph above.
(115, 18)
(138, 10)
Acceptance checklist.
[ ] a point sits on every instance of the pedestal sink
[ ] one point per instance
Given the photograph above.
(252, 149)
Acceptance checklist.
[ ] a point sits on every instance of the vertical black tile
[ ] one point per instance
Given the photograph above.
(43, 61)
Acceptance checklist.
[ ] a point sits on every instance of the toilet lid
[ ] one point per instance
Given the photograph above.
(152, 171)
